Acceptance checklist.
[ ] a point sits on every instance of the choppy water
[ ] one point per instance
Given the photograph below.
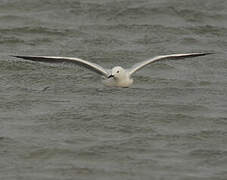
(60, 122)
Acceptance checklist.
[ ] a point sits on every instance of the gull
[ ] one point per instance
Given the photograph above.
(115, 77)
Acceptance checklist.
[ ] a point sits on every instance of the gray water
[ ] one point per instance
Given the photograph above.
(59, 122)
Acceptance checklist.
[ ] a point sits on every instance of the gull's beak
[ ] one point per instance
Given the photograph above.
(110, 76)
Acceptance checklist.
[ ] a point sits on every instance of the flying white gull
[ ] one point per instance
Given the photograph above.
(118, 76)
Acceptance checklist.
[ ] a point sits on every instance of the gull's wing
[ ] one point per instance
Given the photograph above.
(140, 65)
(52, 59)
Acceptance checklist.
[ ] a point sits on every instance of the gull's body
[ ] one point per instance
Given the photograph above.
(118, 76)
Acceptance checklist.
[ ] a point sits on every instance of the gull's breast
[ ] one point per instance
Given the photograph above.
(118, 83)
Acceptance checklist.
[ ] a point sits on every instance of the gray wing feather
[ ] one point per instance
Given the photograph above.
(140, 65)
(52, 59)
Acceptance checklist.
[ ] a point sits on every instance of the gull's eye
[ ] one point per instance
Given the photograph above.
(117, 71)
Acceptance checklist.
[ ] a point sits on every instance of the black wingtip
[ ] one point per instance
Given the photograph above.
(201, 54)
(204, 54)
(16, 56)
(31, 58)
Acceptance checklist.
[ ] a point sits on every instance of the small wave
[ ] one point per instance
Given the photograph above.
(11, 18)
(209, 30)
(6, 140)
(12, 40)
(208, 153)
(33, 30)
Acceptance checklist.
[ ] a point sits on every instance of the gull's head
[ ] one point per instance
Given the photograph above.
(117, 73)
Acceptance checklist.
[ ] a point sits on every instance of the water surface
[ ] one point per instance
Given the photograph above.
(60, 122)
